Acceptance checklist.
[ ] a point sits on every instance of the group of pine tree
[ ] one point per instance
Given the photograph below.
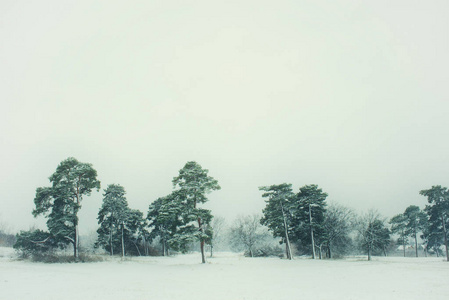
(303, 222)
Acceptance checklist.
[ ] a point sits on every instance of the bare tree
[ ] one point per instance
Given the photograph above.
(373, 234)
(247, 232)
(218, 225)
(337, 225)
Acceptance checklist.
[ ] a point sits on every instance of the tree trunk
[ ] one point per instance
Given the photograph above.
(137, 247)
(163, 247)
(403, 244)
(445, 237)
(77, 243)
(287, 245)
(416, 244)
(311, 233)
(203, 257)
(110, 242)
(369, 253)
(211, 250)
(321, 255)
(123, 242)
(329, 251)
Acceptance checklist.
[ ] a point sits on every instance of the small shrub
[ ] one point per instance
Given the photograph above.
(52, 258)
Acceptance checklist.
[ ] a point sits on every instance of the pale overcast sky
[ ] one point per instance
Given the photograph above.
(349, 95)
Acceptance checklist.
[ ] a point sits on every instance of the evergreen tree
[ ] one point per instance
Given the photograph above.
(438, 212)
(193, 183)
(110, 217)
(415, 222)
(121, 229)
(36, 241)
(61, 202)
(164, 217)
(277, 212)
(309, 210)
(399, 226)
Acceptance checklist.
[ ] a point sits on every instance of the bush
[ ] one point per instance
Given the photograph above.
(33, 242)
(266, 251)
(7, 240)
(52, 258)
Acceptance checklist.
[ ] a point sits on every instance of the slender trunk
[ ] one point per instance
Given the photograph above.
(385, 251)
(137, 247)
(369, 252)
(321, 255)
(311, 233)
(110, 241)
(251, 252)
(445, 236)
(74, 248)
(77, 243)
(203, 257)
(123, 242)
(163, 247)
(329, 252)
(403, 243)
(416, 244)
(288, 248)
(211, 250)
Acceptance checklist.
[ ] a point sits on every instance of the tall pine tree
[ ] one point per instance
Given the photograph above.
(277, 212)
(61, 202)
(193, 183)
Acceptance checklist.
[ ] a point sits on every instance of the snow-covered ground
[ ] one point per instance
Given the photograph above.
(227, 276)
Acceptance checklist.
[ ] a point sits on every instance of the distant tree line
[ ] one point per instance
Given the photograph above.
(315, 228)
(176, 220)
(303, 222)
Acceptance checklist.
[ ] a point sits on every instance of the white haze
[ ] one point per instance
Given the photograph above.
(349, 95)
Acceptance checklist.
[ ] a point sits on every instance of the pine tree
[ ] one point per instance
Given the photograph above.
(277, 212)
(111, 216)
(438, 212)
(193, 183)
(309, 210)
(121, 228)
(164, 217)
(415, 222)
(61, 202)
(399, 226)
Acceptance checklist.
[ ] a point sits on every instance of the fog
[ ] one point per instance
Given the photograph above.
(349, 95)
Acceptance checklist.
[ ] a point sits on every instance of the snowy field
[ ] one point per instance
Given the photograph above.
(227, 276)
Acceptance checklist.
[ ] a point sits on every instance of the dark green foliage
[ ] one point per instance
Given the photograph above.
(122, 230)
(309, 214)
(164, 216)
(416, 221)
(438, 212)
(278, 203)
(277, 214)
(399, 226)
(33, 242)
(193, 183)
(61, 202)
